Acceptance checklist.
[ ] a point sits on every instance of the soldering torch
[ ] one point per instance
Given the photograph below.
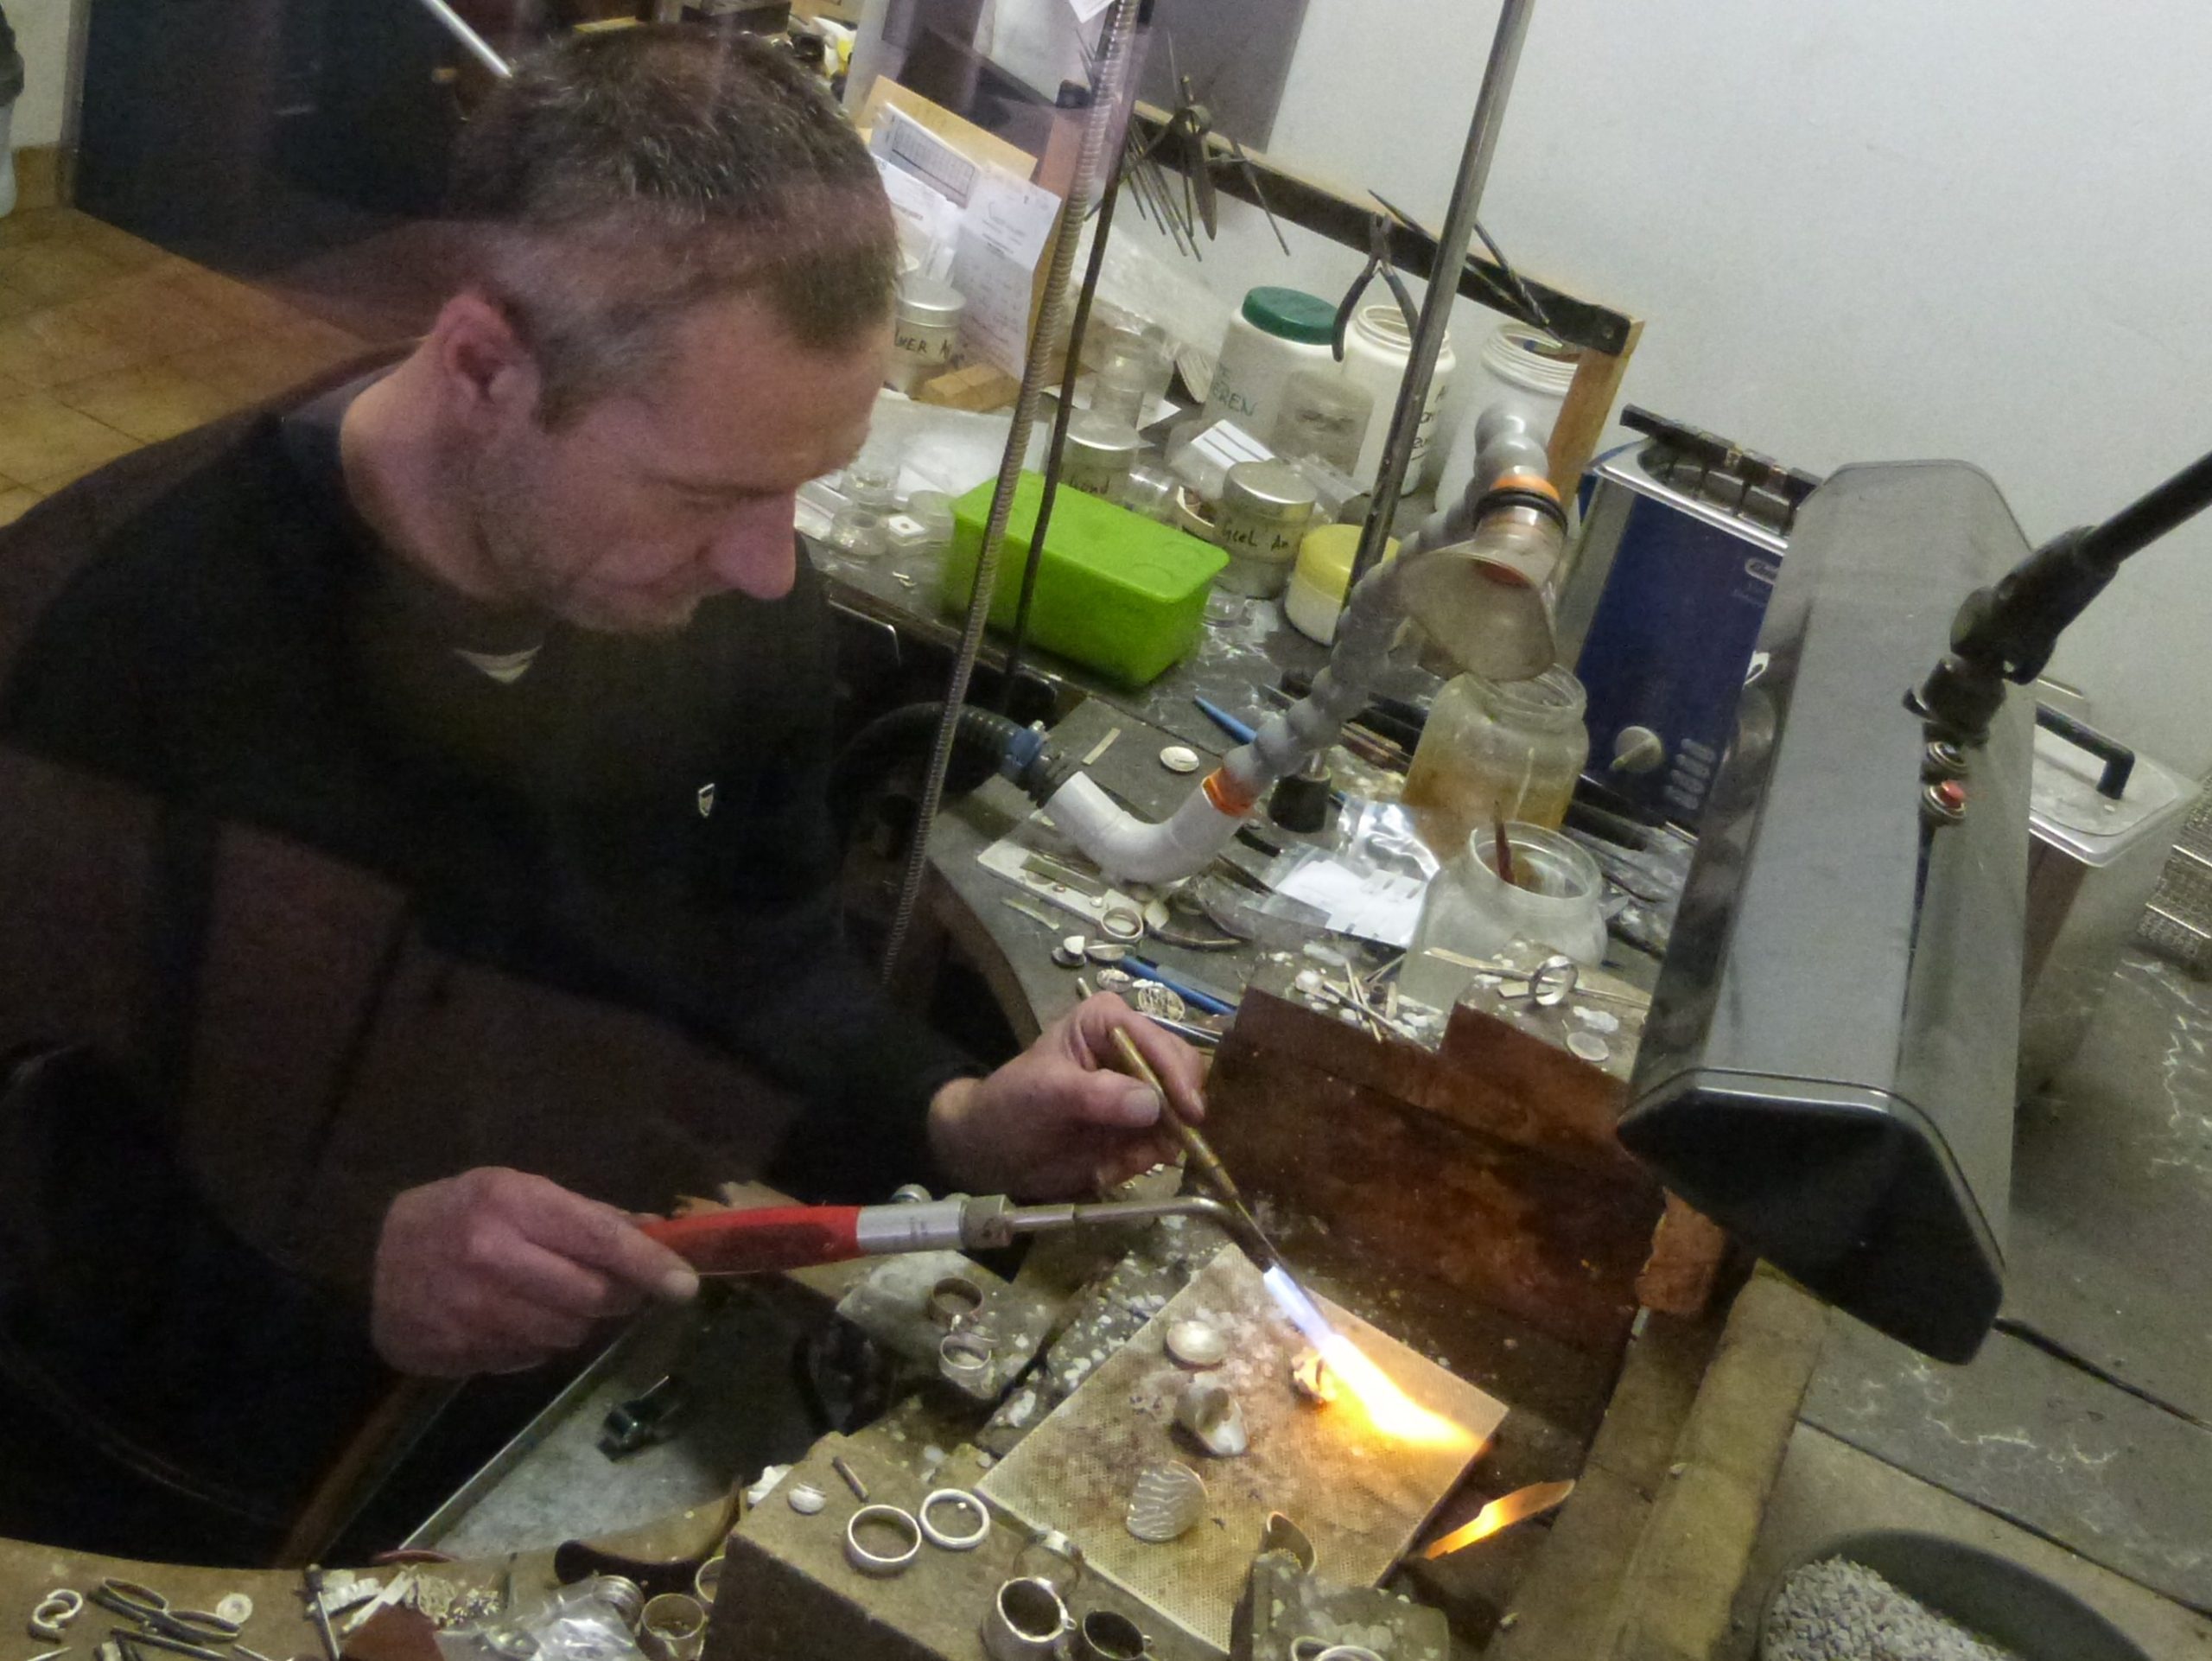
(800, 1237)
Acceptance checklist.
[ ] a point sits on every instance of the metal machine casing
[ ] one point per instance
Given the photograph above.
(1659, 614)
(1828, 1068)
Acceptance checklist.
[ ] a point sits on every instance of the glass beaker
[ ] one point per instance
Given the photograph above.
(1555, 900)
(1496, 749)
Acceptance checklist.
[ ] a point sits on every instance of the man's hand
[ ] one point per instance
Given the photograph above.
(1054, 1121)
(494, 1270)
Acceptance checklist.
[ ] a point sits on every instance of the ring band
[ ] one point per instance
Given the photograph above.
(876, 1564)
(945, 1539)
(1051, 1544)
(1026, 1622)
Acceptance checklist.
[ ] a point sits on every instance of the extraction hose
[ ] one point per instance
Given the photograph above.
(984, 742)
(1106, 112)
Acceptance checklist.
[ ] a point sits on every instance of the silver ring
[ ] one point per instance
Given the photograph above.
(1026, 1622)
(1347, 1652)
(877, 1563)
(673, 1625)
(954, 1299)
(946, 1540)
(708, 1580)
(54, 1611)
(1107, 1635)
(1122, 923)
(1054, 1544)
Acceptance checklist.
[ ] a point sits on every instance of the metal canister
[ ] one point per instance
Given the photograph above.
(1265, 508)
(1098, 455)
(925, 332)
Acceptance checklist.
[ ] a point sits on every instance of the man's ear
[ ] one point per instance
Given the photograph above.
(487, 374)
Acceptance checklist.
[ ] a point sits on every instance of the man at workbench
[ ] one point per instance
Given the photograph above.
(519, 626)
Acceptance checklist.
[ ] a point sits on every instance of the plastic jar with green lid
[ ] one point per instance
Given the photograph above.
(1277, 332)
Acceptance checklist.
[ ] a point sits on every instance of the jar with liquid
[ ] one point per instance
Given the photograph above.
(1469, 913)
(1496, 749)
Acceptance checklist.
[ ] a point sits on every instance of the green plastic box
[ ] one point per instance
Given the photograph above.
(1117, 592)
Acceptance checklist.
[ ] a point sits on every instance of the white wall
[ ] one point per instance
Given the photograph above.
(44, 35)
(1865, 231)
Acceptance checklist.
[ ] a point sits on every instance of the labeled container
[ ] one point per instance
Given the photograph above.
(1556, 900)
(924, 331)
(1519, 368)
(1265, 509)
(1378, 348)
(1115, 591)
(1325, 413)
(1277, 333)
(1098, 455)
(1496, 749)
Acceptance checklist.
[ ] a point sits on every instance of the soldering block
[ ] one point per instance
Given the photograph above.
(1115, 592)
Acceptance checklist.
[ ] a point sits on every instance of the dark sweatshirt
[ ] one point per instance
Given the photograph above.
(636, 818)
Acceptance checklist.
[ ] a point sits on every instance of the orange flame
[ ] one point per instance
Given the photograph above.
(1393, 1413)
(1502, 1512)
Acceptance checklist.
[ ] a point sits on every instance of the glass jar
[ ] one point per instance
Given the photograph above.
(1556, 901)
(1325, 413)
(1496, 749)
(1265, 508)
(925, 332)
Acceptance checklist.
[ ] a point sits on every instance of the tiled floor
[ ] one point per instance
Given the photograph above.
(108, 343)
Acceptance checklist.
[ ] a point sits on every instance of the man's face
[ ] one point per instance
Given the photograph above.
(652, 500)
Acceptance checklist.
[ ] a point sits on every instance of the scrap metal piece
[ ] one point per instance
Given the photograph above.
(1179, 758)
(1210, 1414)
(235, 1607)
(1166, 1503)
(1311, 1378)
(1069, 952)
(1159, 1002)
(852, 1477)
(1588, 1046)
(1050, 1557)
(805, 1499)
(1105, 951)
(1196, 1345)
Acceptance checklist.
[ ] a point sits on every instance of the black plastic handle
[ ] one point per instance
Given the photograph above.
(2119, 760)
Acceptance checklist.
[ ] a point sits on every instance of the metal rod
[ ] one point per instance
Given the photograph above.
(1106, 110)
(479, 48)
(1451, 257)
(1061, 417)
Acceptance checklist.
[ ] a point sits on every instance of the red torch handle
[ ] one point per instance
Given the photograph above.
(760, 1242)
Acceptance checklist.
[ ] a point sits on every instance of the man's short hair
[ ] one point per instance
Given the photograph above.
(618, 180)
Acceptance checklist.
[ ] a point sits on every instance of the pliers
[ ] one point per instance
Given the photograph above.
(1379, 261)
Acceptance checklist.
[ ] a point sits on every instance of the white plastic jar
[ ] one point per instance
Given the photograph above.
(1377, 348)
(1526, 370)
(1277, 332)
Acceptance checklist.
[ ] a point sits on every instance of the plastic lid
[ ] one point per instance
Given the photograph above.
(1324, 557)
(1291, 314)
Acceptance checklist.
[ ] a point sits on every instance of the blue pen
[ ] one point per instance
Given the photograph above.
(1211, 1002)
(1240, 730)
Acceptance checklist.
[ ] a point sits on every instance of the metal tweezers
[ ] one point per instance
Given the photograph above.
(1379, 262)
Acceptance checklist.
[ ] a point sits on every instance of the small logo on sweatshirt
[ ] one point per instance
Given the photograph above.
(706, 798)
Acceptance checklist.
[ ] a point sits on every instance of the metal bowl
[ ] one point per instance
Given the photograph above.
(1992, 1596)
